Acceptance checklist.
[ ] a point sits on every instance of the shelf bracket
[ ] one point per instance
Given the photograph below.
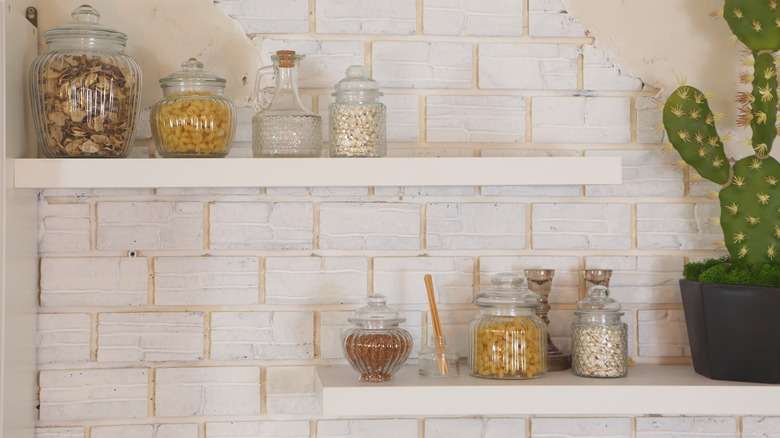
(31, 13)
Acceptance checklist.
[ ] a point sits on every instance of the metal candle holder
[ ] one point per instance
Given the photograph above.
(540, 282)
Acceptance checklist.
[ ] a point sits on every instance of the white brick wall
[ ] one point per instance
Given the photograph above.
(258, 429)
(581, 120)
(265, 225)
(206, 280)
(693, 427)
(262, 335)
(149, 225)
(470, 17)
(95, 281)
(369, 226)
(150, 337)
(63, 338)
(146, 431)
(187, 392)
(422, 64)
(366, 16)
(475, 226)
(528, 66)
(475, 119)
(316, 280)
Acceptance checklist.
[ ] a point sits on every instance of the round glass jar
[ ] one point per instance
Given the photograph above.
(508, 340)
(193, 119)
(85, 90)
(357, 119)
(599, 338)
(377, 347)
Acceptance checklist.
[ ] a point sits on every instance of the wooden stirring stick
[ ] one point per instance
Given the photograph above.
(440, 352)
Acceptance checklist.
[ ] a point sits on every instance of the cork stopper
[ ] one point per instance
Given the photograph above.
(286, 58)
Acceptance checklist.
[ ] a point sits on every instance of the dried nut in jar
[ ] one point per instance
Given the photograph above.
(508, 348)
(192, 123)
(599, 351)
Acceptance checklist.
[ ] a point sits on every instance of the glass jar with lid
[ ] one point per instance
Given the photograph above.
(599, 337)
(194, 118)
(357, 119)
(508, 340)
(85, 90)
(377, 347)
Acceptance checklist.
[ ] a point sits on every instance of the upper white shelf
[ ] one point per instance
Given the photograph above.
(648, 389)
(313, 172)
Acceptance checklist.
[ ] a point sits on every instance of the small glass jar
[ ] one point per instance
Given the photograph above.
(85, 91)
(437, 360)
(599, 338)
(193, 119)
(357, 118)
(508, 340)
(377, 347)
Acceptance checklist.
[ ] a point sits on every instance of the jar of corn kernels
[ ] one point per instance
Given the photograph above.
(193, 119)
(508, 340)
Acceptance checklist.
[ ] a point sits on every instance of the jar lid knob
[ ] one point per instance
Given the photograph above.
(85, 14)
(192, 64)
(598, 300)
(507, 280)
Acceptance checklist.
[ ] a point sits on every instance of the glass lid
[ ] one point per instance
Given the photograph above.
(357, 80)
(85, 24)
(598, 301)
(507, 288)
(376, 311)
(192, 74)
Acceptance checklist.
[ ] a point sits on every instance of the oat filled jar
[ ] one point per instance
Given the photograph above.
(193, 119)
(599, 338)
(357, 118)
(508, 340)
(85, 90)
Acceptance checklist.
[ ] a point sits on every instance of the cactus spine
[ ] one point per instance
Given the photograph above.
(750, 197)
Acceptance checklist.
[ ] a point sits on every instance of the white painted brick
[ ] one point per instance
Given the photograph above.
(110, 281)
(63, 227)
(472, 17)
(290, 390)
(417, 64)
(149, 225)
(581, 119)
(325, 62)
(453, 428)
(315, 280)
(367, 17)
(560, 328)
(258, 429)
(760, 427)
(59, 432)
(475, 119)
(183, 392)
(72, 395)
(581, 226)
(268, 16)
(642, 280)
(63, 338)
(400, 278)
(600, 73)
(262, 335)
(645, 173)
(504, 427)
(581, 427)
(332, 325)
(687, 427)
(150, 337)
(649, 118)
(528, 66)
(403, 117)
(548, 18)
(261, 225)
(677, 226)
(530, 190)
(369, 226)
(324, 192)
(207, 191)
(146, 431)
(566, 281)
(459, 191)
(662, 333)
(475, 226)
(385, 428)
(206, 280)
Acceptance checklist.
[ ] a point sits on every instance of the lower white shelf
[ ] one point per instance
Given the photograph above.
(648, 389)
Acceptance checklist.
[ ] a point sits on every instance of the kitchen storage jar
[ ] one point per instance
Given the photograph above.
(284, 127)
(85, 90)
(357, 118)
(599, 337)
(508, 340)
(377, 347)
(193, 119)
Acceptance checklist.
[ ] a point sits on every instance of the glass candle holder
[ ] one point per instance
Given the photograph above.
(596, 277)
(540, 282)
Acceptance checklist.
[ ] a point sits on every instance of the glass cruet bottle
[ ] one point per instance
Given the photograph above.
(284, 127)
(599, 337)
(357, 117)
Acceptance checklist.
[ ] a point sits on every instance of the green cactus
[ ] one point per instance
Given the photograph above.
(750, 197)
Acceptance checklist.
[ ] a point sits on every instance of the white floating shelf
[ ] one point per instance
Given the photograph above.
(313, 172)
(648, 389)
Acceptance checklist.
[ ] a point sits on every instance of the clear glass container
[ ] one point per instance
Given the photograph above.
(358, 120)
(193, 119)
(284, 127)
(437, 360)
(508, 340)
(377, 347)
(599, 337)
(85, 91)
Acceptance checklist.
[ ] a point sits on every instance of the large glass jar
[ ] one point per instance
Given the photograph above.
(508, 340)
(377, 347)
(357, 118)
(599, 338)
(85, 90)
(193, 119)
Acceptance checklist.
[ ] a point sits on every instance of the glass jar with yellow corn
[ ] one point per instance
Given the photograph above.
(508, 340)
(193, 119)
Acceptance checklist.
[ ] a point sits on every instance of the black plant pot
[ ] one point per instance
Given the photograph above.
(733, 330)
